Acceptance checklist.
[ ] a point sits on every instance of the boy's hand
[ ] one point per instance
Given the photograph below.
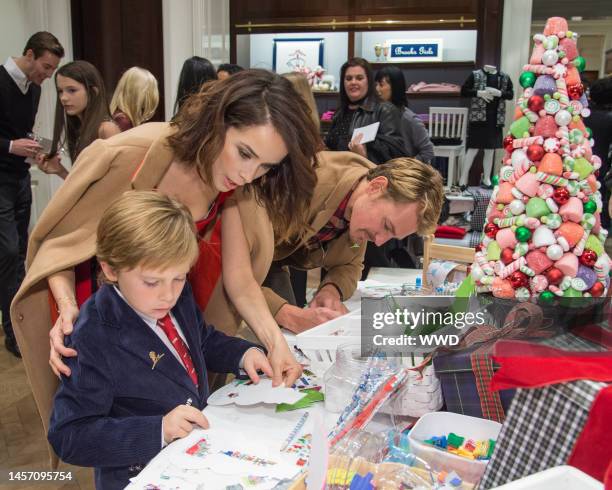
(179, 422)
(254, 360)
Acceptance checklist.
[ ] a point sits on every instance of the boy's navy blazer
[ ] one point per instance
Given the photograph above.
(108, 413)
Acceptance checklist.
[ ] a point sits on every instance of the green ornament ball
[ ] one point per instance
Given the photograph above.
(522, 234)
(547, 297)
(527, 79)
(589, 132)
(495, 180)
(579, 63)
(590, 207)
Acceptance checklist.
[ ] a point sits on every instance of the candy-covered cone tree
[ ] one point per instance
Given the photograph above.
(543, 236)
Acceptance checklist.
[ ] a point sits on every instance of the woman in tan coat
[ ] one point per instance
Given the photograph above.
(250, 132)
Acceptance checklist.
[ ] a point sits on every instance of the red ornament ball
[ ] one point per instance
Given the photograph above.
(588, 258)
(491, 230)
(575, 91)
(508, 143)
(597, 290)
(554, 276)
(561, 195)
(535, 103)
(535, 152)
(506, 256)
(518, 279)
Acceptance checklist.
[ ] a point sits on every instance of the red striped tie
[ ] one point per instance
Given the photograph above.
(175, 339)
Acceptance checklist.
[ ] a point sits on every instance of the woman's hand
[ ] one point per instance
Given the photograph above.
(68, 312)
(51, 165)
(284, 365)
(356, 147)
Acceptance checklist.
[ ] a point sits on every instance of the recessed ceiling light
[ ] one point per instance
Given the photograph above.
(576, 18)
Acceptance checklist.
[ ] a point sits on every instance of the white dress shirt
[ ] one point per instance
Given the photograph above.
(17, 75)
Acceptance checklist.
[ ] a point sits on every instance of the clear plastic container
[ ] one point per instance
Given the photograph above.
(342, 378)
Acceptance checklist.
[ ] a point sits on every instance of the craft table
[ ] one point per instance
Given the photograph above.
(163, 464)
(261, 414)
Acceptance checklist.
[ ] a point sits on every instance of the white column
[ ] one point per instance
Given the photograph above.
(178, 45)
(192, 27)
(515, 51)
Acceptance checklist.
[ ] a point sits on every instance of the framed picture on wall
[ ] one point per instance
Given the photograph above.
(296, 54)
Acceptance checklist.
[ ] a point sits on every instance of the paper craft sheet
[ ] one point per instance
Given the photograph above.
(245, 392)
(242, 445)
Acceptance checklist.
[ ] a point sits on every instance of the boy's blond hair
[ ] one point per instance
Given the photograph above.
(413, 181)
(147, 229)
(136, 95)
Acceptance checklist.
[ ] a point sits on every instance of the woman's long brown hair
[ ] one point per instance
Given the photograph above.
(246, 99)
(77, 133)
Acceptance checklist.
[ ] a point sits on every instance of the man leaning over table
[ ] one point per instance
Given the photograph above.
(354, 202)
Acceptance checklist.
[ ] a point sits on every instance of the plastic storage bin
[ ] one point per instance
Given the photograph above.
(439, 423)
(559, 478)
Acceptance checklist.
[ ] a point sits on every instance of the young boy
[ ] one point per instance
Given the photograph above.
(139, 381)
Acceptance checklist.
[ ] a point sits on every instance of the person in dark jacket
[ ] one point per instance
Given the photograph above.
(359, 107)
(600, 122)
(391, 87)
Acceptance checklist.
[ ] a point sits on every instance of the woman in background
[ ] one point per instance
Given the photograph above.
(391, 87)
(135, 99)
(195, 72)
(81, 115)
(301, 85)
(359, 107)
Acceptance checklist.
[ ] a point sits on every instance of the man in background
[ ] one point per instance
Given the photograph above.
(20, 81)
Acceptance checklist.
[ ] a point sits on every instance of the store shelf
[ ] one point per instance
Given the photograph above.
(326, 93)
(432, 64)
(433, 94)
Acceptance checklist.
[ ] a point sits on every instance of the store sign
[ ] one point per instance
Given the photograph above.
(418, 50)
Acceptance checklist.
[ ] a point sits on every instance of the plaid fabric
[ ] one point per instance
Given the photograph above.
(481, 201)
(541, 428)
(490, 401)
(459, 382)
(475, 238)
(336, 225)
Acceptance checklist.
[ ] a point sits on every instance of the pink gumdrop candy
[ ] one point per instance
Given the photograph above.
(505, 238)
(546, 127)
(572, 210)
(572, 232)
(551, 163)
(504, 193)
(554, 25)
(568, 264)
(569, 46)
(592, 181)
(538, 261)
(536, 54)
(578, 125)
(502, 288)
(597, 226)
(495, 213)
(573, 76)
(528, 184)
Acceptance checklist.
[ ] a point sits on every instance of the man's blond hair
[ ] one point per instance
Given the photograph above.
(147, 229)
(413, 181)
